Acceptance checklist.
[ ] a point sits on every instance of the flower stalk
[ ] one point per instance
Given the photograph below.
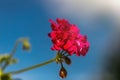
(32, 67)
(14, 51)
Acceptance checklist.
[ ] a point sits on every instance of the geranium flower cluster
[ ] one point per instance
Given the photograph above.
(67, 37)
(67, 40)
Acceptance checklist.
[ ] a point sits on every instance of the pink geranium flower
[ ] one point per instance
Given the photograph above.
(67, 37)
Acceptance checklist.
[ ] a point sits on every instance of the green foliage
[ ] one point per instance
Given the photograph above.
(6, 77)
(8, 59)
(4, 58)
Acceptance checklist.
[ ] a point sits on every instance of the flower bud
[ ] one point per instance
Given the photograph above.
(26, 44)
(63, 72)
(67, 60)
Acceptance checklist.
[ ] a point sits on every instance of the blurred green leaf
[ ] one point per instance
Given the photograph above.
(4, 57)
(6, 77)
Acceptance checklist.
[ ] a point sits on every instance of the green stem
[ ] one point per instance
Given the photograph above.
(13, 52)
(33, 67)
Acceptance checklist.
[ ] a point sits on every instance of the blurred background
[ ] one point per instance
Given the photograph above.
(98, 19)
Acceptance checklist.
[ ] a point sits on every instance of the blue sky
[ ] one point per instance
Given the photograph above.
(29, 18)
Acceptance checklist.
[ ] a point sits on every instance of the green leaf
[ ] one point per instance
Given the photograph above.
(4, 57)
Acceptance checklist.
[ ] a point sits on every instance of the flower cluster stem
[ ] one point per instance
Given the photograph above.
(33, 67)
(12, 53)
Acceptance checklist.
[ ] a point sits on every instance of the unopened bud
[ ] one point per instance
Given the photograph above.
(63, 72)
(67, 60)
(26, 44)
